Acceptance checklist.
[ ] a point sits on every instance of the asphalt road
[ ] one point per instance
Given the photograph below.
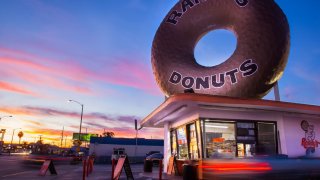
(13, 168)
(10, 166)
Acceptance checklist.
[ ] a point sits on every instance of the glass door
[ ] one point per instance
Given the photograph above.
(245, 150)
(267, 144)
(246, 139)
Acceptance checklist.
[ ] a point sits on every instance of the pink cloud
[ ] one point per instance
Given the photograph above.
(45, 80)
(131, 74)
(123, 72)
(15, 88)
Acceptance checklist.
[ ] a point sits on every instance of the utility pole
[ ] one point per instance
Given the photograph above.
(61, 136)
(65, 141)
(40, 138)
(86, 135)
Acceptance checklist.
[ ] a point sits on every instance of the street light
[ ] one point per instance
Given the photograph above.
(80, 117)
(12, 139)
(4, 117)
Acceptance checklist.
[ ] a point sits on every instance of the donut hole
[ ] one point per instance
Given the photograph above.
(215, 47)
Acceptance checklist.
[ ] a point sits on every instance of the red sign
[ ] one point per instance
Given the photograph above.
(309, 144)
(118, 169)
(44, 167)
(47, 164)
(218, 140)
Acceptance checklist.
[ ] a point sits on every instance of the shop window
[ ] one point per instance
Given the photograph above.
(182, 143)
(199, 138)
(193, 142)
(219, 139)
(173, 143)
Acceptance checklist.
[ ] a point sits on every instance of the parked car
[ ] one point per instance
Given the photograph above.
(117, 153)
(152, 152)
(155, 158)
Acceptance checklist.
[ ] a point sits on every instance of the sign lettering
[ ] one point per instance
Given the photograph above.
(247, 68)
(185, 5)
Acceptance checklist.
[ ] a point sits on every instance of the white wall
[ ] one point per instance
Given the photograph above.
(294, 135)
(288, 125)
(107, 149)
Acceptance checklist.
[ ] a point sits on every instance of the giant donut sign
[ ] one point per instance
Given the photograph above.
(263, 42)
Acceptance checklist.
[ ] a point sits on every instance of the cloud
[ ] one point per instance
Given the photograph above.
(132, 74)
(96, 123)
(15, 88)
(48, 81)
(307, 75)
(34, 123)
(289, 92)
(60, 74)
(95, 119)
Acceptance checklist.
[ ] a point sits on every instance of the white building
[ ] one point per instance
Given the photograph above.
(136, 149)
(198, 126)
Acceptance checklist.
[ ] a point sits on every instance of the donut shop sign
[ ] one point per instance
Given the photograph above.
(188, 4)
(263, 43)
(247, 68)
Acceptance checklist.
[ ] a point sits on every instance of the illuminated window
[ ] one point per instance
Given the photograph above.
(173, 143)
(182, 143)
(193, 142)
(219, 140)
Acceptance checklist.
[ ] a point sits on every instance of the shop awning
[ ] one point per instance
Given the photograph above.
(191, 103)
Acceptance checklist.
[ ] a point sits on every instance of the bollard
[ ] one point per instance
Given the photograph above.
(160, 169)
(190, 172)
(88, 166)
(84, 162)
(147, 166)
(112, 172)
(91, 160)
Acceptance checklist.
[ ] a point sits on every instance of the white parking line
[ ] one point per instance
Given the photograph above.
(15, 174)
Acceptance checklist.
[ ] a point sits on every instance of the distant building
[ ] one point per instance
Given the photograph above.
(102, 147)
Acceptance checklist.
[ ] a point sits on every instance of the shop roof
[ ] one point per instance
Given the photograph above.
(126, 141)
(180, 104)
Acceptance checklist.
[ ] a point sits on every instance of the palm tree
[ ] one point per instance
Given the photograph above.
(108, 134)
(20, 134)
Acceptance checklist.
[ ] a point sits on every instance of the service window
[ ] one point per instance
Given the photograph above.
(219, 140)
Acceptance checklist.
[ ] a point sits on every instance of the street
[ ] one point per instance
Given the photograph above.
(13, 168)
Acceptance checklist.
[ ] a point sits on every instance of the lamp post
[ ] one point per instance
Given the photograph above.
(80, 117)
(12, 139)
(4, 117)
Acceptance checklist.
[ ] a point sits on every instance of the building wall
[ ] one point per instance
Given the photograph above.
(294, 134)
(103, 148)
(107, 149)
(290, 133)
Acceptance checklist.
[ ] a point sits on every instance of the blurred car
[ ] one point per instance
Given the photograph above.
(260, 168)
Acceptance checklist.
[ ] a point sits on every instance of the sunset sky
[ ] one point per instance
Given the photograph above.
(98, 53)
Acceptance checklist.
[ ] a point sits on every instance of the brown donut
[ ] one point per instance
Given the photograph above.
(263, 42)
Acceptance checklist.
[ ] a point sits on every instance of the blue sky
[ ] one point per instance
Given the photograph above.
(98, 53)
